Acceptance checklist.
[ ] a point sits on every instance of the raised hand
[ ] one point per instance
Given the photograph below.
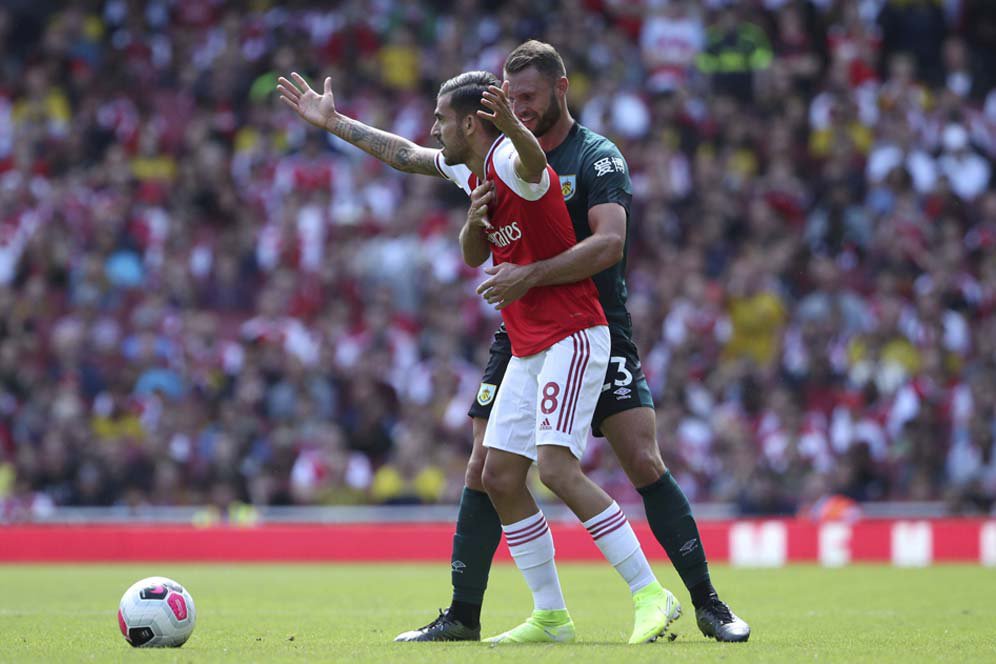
(496, 99)
(530, 160)
(318, 109)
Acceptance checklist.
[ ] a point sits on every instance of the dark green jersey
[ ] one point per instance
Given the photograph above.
(592, 171)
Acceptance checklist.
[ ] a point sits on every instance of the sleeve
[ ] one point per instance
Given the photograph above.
(605, 177)
(504, 161)
(458, 175)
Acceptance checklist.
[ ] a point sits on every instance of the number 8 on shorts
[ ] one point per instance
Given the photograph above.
(549, 398)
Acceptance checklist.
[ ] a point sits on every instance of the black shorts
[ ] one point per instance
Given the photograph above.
(625, 385)
(494, 372)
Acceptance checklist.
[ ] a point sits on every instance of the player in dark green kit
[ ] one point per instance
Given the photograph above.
(596, 186)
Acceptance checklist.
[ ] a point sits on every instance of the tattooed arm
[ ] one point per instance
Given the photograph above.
(393, 150)
(319, 110)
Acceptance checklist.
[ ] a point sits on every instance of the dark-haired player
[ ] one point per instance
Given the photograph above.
(560, 351)
(595, 183)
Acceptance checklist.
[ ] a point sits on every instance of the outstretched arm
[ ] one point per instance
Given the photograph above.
(319, 110)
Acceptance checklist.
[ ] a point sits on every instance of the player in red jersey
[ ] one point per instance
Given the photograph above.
(596, 186)
(560, 348)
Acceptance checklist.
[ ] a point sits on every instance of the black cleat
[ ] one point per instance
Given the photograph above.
(442, 628)
(717, 621)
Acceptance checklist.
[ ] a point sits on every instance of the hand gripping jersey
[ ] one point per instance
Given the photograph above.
(531, 223)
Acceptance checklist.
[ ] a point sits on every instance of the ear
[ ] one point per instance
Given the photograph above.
(562, 85)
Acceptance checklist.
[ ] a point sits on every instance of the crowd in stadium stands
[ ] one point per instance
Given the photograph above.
(205, 301)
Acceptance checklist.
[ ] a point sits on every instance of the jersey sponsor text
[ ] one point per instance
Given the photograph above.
(505, 235)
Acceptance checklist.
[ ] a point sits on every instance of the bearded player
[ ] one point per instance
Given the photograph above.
(560, 351)
(596, 187)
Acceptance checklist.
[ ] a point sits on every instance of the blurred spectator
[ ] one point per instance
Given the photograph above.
(966, 171)
(203, 301)
(735, 49)
(972, 467)
(916, 27)
(756, 313)
(670, 40)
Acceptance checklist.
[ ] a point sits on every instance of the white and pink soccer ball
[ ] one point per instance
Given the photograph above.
(156, 613)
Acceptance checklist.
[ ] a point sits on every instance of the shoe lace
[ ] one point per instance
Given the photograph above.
(441, 619)
(720, 609)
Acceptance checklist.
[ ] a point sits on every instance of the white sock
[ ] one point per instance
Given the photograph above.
(531, 546)
(617, 541)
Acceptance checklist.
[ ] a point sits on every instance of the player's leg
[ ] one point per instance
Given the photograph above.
(511, 447)
(570, 382)
(654, 606)
(478, 530)
(472, 477)
(625, 416)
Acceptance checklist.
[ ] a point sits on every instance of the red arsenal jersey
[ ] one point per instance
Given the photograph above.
(531, 223)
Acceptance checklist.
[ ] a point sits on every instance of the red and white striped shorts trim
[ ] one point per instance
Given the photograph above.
(575, 380)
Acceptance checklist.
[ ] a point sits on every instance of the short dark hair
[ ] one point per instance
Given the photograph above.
(537, 54)
(466, 89)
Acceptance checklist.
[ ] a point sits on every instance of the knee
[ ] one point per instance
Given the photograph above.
(497, 481)
(559, 477)
(642, 461)
(474, 477)
(478, 455)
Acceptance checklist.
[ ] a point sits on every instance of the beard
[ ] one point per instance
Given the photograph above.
(549, 118)
(454, 155)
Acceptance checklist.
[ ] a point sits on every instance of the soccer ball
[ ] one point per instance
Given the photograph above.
(156, 613)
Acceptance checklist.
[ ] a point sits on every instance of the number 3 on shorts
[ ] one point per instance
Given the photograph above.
(624, 377)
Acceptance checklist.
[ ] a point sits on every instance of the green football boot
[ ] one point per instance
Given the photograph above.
(655, 608)
(540, 627)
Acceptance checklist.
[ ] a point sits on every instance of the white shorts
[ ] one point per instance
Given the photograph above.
(549, 398)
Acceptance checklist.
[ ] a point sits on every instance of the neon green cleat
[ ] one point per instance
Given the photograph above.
(656, 608)
(540, 627)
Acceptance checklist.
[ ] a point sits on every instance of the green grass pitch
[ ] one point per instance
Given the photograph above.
(350, 613)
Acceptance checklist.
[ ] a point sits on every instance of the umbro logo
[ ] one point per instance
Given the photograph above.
(689, 546)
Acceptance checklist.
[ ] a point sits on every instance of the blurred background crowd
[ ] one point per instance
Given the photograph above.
(205, 301)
